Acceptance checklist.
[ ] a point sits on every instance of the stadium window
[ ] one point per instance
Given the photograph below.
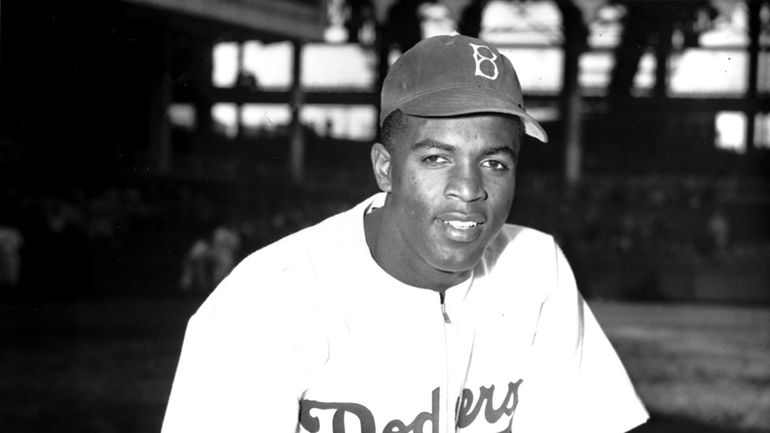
(324, 66)
(718, 65)
(731, 131)
(596, 69)
(762, 131)
(709, 71)
(528, 33)
(225, 64)
(269, 64)
(337, 66)
(645, 73)
(225, 119)
(596, 64)
(531, 23)
(264, 118)
(436, 20)
(545, 80)
(182, 116)
(349, 122)
(604, 31)
(336, 32)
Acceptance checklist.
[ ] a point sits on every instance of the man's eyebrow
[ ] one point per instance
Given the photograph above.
(430, 143)
(502, 149)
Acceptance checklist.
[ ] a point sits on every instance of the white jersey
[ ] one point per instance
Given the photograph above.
(309, 334)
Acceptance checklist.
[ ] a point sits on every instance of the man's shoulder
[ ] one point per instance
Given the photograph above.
(519, 250)
(518, 237)
(282, 276)
(300, 249)
(525, 233)
(330, 242)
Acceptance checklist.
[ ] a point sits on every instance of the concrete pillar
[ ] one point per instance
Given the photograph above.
(160, 130)
(752, 72)
(296, 137)
(575, 37)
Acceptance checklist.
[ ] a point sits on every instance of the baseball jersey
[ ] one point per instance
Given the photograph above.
(309, 334)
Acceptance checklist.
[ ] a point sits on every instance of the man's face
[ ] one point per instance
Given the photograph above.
(452, 184)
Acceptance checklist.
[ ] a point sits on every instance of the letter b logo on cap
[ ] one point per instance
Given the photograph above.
(485, 64)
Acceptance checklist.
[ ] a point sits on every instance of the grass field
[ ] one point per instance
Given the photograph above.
(709, 364)
(107, 365)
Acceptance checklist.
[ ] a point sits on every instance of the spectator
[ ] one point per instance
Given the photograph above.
(719, 229)
(11, 242)
(196, 268)
(225, 245)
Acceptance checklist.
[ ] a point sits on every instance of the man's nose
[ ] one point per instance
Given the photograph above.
(465, 183)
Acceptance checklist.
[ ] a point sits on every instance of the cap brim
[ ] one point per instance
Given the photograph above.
(459, 101)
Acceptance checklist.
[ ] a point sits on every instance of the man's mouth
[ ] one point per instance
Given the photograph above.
(461, 225)
(462, 228)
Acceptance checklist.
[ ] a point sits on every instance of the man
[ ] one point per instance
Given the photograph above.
(419, 310)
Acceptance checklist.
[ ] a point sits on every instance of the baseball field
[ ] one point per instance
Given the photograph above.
(106, 365)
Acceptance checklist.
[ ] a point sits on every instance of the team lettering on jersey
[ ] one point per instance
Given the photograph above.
(468, 408)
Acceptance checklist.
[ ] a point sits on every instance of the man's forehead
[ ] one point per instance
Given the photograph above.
(497, 131)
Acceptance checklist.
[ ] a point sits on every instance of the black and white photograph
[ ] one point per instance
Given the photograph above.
(385, 216)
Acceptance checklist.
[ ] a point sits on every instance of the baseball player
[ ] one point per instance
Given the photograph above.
(419, 310)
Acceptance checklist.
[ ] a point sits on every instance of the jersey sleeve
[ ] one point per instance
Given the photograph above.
(244, 362)
(579, 383)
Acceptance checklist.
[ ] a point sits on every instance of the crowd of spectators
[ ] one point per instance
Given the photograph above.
(676, 217)
(656, 237)
(163, 236)
(184, 236)
(58, 239)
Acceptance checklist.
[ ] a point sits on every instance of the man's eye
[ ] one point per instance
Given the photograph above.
(433, 160)
(495, 165)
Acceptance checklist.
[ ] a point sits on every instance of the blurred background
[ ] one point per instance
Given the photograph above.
(146, 146)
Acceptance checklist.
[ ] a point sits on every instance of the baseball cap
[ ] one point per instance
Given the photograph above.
(452, 75)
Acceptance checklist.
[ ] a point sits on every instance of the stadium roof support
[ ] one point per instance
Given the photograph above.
(295, 20)
(292, 19)
(754, 29)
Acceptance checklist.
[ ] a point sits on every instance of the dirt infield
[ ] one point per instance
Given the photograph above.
(104, 366)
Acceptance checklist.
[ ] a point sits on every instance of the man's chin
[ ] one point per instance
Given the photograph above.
(457, 265)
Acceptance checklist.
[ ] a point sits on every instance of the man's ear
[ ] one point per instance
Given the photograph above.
(381, 163)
